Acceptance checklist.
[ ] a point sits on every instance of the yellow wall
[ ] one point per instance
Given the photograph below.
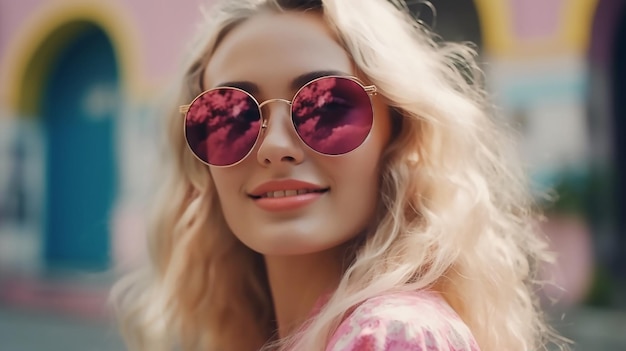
(572, 38)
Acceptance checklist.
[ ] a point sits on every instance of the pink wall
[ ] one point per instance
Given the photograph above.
(12, 16)
(162, 29)
(165, 28)
(535, 19)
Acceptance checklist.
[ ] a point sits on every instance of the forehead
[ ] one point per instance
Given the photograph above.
(274, 47)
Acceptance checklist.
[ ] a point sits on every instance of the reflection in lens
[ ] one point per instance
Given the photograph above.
(222, 125)
(332, 115)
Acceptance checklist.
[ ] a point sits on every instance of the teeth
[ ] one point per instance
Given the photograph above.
(285, 193)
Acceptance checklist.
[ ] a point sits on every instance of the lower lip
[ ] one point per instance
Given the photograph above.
(287, 203)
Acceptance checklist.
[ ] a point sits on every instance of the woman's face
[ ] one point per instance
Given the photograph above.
(268, 52)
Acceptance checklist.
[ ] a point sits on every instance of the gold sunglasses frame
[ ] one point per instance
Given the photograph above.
(371, 90)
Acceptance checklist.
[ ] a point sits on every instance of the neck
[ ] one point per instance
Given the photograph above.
(297, 283)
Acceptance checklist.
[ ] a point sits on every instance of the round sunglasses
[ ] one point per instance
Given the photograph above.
(332, 115)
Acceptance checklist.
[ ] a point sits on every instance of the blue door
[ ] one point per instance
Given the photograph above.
(79, 107)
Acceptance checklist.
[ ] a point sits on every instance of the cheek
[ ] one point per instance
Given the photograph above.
(358, 176)
(366, 170)
(356, 198)
(230, 197)
(362, 187)
(227, 187)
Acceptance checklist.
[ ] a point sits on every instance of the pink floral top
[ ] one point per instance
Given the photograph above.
(416, 321)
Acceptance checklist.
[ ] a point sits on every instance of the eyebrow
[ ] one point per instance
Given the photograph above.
(296, 83)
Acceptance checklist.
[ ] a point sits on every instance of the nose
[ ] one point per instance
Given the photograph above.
(279, 143)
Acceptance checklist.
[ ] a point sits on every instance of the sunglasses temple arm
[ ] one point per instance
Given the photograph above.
(183, 109)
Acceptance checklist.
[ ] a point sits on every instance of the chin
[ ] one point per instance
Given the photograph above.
(291, 245)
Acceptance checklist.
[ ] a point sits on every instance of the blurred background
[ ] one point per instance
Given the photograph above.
(82, 85)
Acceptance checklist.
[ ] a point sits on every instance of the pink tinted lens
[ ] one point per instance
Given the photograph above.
(332, 115)
(222, 126)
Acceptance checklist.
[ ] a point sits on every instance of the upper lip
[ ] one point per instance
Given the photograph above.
(282, 185)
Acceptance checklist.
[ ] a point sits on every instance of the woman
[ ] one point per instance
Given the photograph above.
(337, 184)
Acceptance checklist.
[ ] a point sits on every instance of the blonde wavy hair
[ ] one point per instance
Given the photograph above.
(455, 214)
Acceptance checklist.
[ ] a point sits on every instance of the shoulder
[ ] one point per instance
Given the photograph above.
(420, 320)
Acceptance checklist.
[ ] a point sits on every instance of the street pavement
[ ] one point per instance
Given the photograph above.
(28, 330)
(37, 316)
(594, 329)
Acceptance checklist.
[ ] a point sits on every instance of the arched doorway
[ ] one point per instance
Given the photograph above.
(78, 104)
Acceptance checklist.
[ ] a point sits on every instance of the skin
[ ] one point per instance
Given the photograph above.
(303, 248)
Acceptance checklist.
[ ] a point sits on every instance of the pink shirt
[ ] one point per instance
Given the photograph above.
(416, 321)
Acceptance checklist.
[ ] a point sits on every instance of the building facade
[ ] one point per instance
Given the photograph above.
(83, 85)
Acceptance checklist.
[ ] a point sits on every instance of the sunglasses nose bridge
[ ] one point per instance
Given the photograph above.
(266, 102)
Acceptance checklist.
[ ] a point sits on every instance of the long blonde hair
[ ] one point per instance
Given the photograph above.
(455, 211)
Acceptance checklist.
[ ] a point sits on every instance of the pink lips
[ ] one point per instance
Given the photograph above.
(285, 195)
